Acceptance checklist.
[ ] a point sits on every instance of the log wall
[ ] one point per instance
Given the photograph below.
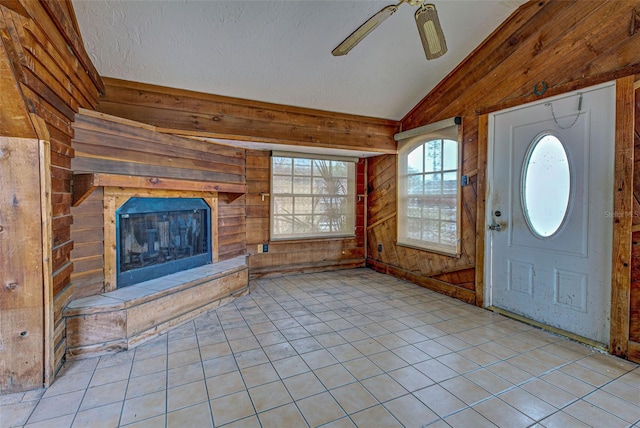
(54, 77)
(567, 45)
(107, 144)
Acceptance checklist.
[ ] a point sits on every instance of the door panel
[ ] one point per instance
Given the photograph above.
(561, 280)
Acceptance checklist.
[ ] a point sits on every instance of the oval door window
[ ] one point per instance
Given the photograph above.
(546, 185)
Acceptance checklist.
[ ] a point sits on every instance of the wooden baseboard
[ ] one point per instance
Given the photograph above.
(275, 271)
(460, 293)
(633, 353)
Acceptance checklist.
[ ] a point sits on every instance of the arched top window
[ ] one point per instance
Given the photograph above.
(428, 196)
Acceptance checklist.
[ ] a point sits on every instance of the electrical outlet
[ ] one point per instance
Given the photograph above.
(265, 248)
(259, 248)
(379, 248)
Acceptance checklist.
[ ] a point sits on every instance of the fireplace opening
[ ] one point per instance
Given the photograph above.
(160, 236)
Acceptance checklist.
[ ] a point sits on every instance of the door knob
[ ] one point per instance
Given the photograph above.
(495, 226)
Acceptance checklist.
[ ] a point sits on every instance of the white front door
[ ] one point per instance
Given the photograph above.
(549, 211)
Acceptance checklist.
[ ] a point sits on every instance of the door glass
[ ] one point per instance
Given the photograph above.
(546, 183)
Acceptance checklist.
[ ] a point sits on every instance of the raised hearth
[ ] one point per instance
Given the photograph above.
(120, 319)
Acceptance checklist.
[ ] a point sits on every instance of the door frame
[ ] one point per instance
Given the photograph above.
(622, 206)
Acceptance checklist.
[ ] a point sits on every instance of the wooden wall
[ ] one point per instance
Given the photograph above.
(107, 144)
(448, 275)
(184, 112)
(181, 112)
(310, 255)
(54, 77)
(566, 44)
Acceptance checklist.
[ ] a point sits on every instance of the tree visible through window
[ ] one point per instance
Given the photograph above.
(428, 195)
(312, 197)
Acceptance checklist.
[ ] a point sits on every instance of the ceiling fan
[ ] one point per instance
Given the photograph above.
(427, 20)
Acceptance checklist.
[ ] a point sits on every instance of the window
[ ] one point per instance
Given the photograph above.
(312, 196)
(546, 185)
(428, 198)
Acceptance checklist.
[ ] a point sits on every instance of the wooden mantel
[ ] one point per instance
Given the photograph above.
(85, 184)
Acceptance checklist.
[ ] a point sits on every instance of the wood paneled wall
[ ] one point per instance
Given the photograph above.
(109, 144)
(310, 255)
(54, 77)
(565, 44)
(448, 275)
(182, 112)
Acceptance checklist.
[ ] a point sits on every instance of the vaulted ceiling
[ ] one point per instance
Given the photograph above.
(280, 51)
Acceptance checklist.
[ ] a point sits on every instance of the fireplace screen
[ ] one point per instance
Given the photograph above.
(159, 236)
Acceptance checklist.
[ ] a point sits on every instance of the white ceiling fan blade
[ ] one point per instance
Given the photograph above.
(431, 33)
(362, 31)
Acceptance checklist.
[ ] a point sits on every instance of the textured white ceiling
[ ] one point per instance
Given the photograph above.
(280, 51)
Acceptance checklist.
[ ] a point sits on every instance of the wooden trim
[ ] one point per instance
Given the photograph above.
(561, 89)
(382, 220)
(85, 184)
(47, 269)
(111, 118)
(634, 352)
(300, 268)
(212, 201)
(623, 204)
(109, 250)
(445, 288)
(483, 147)
(115, 197)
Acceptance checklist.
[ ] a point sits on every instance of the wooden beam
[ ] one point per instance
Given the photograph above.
(21, 267)
(196, 114)
(483, 147)
(561, 89)
(84, 184)
(622, 204)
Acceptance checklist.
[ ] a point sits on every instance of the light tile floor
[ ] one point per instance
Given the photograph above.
(341, 349)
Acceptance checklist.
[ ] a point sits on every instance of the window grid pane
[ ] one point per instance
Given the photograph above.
(428, 199)
(317, 196)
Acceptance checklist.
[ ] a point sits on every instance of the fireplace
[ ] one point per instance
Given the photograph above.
(159, 236)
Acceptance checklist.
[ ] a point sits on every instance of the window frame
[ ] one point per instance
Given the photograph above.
(350, 197)
(444, 130)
